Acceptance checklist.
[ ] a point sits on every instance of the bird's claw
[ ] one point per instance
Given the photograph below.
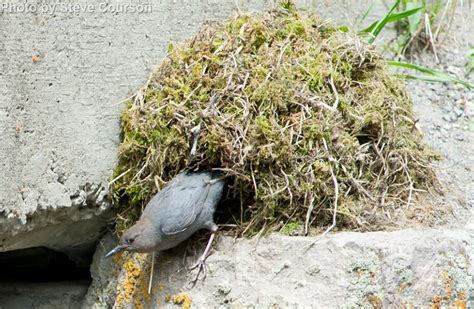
(201, 270)
(201, 274)
(201, 263)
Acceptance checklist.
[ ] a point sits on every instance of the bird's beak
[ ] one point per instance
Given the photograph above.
(116, 250)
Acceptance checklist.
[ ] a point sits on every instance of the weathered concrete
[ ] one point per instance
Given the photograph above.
(389, 269)
(45, 295)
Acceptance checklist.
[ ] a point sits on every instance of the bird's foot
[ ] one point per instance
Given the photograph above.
(201, 271)
(201, 263)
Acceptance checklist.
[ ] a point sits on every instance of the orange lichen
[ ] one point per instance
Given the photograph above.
(448, 284)
(375, 301)
(182, 299)
(134, 280)
(158, 288)
(460, 304)
(402, 286)
(127, 288)
(436, 304)
(117, 258)
(449, 298)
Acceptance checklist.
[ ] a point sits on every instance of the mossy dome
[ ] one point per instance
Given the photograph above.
(300, 116)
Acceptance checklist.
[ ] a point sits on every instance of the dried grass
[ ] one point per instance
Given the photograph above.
(291, 110)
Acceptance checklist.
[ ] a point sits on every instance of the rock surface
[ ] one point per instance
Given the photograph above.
(391, 269)
(46, 295)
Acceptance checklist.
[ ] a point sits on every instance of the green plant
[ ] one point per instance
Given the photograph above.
(408, 21)
(376, 27)
(470, 61)
(415, 31)
(428, 74)
(292, 228)
(419, 24)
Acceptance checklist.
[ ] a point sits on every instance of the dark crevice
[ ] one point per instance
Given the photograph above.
(40, 264)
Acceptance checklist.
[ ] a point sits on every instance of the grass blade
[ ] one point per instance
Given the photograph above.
(429, 74)
(414, 20)
(392, 18)
(381, 23)
(470, 61)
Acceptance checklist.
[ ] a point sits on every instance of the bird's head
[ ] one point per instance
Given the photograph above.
(141, 237)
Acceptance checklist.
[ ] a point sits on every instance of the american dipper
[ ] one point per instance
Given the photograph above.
(186, 204)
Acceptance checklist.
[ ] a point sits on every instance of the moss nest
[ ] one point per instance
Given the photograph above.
(302, 117)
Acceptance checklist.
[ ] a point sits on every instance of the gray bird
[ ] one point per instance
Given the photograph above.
(186, 204)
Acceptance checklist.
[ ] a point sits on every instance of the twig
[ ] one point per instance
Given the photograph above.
(331, 82)
(195, 136)
(254, 182)
(311, 204)
(190, 95)
(410, 193)
(196, 130)
(320, 104)
(441, 20)
(428, 30)
(334, 215)
(119, 176)
(308, 213)
(151, 271)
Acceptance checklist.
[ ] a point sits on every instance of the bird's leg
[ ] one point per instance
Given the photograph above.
(201, 263)
(151, 271)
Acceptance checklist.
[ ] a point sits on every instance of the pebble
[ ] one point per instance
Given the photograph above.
(459, 136)
(278, 270)
(451, 117)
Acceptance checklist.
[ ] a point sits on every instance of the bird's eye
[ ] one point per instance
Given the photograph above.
(130, 240)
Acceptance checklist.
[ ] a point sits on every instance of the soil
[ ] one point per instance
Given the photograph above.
(446, 116)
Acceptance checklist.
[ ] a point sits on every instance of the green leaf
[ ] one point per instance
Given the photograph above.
(392, 18)
(414, 19)
(364, 16)
(470, 61)
(429, 74)
(381, 23)
(343, 29)
(366, 13)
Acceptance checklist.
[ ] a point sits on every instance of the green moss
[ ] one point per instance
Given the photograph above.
(296, 101)
(292, 228)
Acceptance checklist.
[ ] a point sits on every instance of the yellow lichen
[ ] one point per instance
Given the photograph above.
(117, 258)
(182, 299)
(134, 280)
(460, 304)
(450, 298)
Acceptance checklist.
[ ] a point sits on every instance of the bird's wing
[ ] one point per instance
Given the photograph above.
(181, 205)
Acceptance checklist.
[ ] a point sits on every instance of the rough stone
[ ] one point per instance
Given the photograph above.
(45, 296)
(393, 269)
